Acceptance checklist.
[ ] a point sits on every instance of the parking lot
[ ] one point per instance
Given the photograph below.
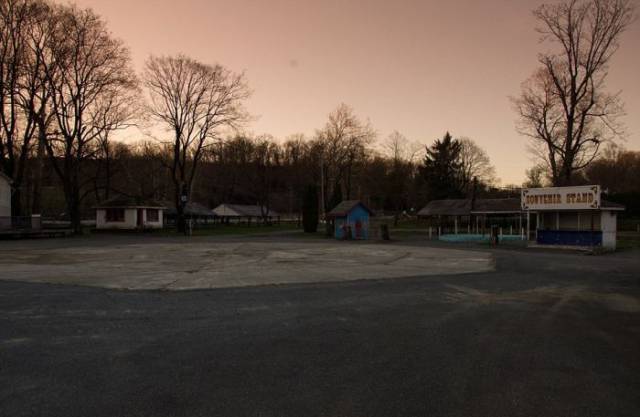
(412, 329)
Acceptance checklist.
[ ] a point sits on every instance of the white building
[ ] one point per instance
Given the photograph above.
(239, 212)
(126, 213)
(5, 201)
(571, 216)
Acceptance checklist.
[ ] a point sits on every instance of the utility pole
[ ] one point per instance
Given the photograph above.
(322, 187)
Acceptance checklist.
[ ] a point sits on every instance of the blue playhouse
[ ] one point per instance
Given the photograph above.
(351, 220)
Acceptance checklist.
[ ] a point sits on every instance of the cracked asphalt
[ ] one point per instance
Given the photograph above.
(539, 333)
(206, 263)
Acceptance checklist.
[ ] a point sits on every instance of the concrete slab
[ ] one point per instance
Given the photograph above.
(207, 264)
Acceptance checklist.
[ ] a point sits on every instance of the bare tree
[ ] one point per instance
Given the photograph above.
(402, 155)
(474, 163)
(397, 147)
(21, 98)
(90, 81)
(564, 107)
(535, 176)
(194, 101)
(342, 143)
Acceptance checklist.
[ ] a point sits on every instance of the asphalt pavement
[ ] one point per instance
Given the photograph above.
(545, 334)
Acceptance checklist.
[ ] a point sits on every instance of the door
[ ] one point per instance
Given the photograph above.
(140, 218)
(359, 229)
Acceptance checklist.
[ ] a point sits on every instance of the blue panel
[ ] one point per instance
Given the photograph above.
(569, 238)
(357, 219)
(339, 232)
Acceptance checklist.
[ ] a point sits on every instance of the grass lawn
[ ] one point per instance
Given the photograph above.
(628, 240)
(234, 229)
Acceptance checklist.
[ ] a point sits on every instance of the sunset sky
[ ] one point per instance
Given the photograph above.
(419, 67)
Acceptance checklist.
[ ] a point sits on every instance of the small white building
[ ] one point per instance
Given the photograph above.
(5, 201)
(127, 213)
(571, 216)
(239, 212)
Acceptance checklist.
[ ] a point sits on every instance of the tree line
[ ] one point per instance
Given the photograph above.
(67, 87)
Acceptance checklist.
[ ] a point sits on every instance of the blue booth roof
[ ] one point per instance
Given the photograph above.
(346, 206)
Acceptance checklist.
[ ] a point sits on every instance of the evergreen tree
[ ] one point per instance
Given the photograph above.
(310, 209)
(442, 169)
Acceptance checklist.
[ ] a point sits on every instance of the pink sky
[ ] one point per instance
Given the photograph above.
(419, 67)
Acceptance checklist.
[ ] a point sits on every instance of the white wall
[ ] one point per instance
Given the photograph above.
(130, 220)
(5, 197)
(609, 226)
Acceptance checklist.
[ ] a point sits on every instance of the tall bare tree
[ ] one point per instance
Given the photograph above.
(194, 101)
(397, 147)
(90, 81)
(474, 164)
(564, 107)
(342, 143)
(402, 155)
(21, 97)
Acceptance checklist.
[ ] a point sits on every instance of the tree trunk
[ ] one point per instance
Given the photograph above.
(72, 196)
(180, 220)
(36, 204)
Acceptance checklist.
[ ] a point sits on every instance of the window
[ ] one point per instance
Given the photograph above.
(115, 215)
(152, 215)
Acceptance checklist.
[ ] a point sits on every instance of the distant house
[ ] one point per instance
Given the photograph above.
(5, 201)
(197, 212)
(129, 213)
(351, 220)
(239, 212)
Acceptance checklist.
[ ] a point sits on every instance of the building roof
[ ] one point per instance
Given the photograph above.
(497, 205)
(129, 202)
(6, 177)
(465, 207)
(241, 210)
(191, 209)
(610, 205)
(453, 207)
(345, 207)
